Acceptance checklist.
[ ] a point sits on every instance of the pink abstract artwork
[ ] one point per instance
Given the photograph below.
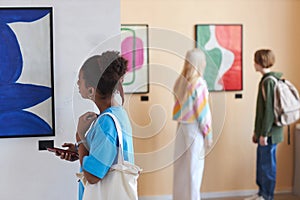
(133, 53)
(134, 48)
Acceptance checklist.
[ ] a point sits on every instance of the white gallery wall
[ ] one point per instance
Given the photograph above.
(80, 29)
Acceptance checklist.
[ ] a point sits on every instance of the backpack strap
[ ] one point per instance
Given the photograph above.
(262, 84)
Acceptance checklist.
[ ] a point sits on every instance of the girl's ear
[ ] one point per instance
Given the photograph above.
(91, 91)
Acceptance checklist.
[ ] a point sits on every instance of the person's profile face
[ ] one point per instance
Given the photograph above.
(83, 90)
(257, 67)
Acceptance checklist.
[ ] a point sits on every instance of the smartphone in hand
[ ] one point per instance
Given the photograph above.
(58, 151)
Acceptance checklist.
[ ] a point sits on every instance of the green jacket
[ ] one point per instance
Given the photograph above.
(264, 119)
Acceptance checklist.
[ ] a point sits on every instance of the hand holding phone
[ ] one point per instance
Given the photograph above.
(72, 155)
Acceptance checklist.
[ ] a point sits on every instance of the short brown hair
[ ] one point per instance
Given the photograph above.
(264, 57)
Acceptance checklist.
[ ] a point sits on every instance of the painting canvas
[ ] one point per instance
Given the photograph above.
(26, 72)
(134, 48)
(223, 47)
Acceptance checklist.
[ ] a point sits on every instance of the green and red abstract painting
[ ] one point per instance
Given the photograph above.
(223, 47)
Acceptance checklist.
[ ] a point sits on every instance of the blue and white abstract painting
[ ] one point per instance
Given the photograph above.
(26, 72)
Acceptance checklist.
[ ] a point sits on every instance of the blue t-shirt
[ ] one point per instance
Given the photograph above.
(102, 142)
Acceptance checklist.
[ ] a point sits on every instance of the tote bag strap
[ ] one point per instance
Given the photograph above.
(120, 136)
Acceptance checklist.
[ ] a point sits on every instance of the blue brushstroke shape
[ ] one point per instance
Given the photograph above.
(30, 95)
(22, 15)
(22, 123)
(14, 97)
(10, 56)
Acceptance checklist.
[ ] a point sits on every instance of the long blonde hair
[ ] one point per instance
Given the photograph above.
(194, 66)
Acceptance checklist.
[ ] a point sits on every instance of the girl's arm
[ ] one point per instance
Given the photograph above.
(84, 123)
(82, 151)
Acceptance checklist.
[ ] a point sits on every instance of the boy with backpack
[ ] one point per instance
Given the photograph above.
(266, 133)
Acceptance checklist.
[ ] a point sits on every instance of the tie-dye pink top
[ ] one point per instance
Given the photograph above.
(194, 107)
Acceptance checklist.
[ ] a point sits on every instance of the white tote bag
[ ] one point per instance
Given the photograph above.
(120, 183)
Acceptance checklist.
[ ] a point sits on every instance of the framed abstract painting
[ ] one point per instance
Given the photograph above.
(134, 48)
(222, 44)
(26, 72)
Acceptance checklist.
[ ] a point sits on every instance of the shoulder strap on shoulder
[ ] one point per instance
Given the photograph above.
(270, 77)
(120, 136)
(262, 84)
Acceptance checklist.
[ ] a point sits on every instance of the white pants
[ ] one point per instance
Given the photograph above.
(189, 162)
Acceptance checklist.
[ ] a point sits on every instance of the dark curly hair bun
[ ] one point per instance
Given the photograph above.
(104, 71)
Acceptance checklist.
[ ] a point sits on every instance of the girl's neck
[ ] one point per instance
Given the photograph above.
(103, 103)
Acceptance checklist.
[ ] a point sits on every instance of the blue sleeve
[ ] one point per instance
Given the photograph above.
(103, 148)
